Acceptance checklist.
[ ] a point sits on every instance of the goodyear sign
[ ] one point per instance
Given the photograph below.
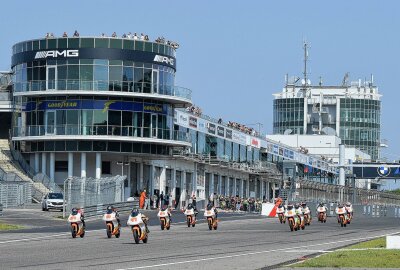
(104, 105)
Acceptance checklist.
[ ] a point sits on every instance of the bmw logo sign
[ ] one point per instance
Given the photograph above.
(383, 171)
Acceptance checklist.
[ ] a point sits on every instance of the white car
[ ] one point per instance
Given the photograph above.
(53, 201)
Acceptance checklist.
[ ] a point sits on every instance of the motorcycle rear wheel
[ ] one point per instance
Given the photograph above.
(145, 239)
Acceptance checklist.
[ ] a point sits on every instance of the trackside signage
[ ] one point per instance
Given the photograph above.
(56, 54)
(94, 53)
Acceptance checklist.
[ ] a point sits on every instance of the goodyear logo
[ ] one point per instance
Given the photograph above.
(62, 104)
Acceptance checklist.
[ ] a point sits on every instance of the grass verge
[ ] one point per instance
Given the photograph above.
(358, 258)
(8, 227)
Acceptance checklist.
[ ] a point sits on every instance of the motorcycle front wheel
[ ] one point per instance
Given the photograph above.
(136, 236)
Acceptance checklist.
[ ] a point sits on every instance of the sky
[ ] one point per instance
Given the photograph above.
(234, 54)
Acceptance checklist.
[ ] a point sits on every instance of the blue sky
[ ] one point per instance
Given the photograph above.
(234, 54)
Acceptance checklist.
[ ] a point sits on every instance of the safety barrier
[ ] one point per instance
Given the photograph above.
(100, 209)
(1, 209)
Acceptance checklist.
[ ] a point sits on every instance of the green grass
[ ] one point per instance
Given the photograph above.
(8, 227)
(376, 243)
(358, 258)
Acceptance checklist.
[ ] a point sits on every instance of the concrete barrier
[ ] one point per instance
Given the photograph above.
(393, 242)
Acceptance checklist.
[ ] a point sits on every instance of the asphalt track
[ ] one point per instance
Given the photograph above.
(242, 241)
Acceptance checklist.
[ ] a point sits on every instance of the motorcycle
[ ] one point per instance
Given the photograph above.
(281, 214)
(342, 216)
(77, 228)
(211, 220)
(307, 216)
(321, 214)
(292, 219)
(190, 217)
(165, 221)
(113, 227)
(349, 213)
(138, 228)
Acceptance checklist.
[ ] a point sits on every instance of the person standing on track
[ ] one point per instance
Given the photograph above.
(142, 199)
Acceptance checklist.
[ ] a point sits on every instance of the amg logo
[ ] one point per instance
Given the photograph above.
(64, 53)
(164, 59)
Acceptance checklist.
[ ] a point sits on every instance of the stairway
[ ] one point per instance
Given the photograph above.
(11, 167)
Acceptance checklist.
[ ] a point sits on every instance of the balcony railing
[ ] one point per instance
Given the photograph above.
(101, 130)
(114, 86)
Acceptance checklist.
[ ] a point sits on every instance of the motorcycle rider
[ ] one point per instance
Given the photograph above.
(349, 208)
(305, 209)
(80, 211)
(110, 209)
(210, 207)
(322, 205)
(135, 212)
(165, 207)
(341, 206)
(190, 207)
(299, 211)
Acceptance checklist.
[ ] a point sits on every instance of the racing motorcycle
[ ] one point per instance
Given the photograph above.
(321, 210)
(190, 217)
(77, 228)
(281, 214)
(307, 216)
(292, 218)
(138, 228)
(211, 219)
(165, 221)
(113, 227)
(341, 215)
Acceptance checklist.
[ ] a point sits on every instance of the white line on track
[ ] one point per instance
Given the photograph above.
(41, 237)
(254, 253)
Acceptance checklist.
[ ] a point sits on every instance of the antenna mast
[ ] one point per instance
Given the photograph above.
(305, 47)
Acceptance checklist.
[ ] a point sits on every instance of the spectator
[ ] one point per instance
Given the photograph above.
(146, 38)
(135, 36)
(114, 35)
(129, 35)
(65, 34)
(103, 35)
(220, 121)
(76, 34)
(166, 199)
(142, 199)
(161, 200)
(124, 35)
(141, 36)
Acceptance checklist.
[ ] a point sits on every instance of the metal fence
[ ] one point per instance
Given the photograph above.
(322, 192)
(15, 193)
(100, 209)
(83, 192)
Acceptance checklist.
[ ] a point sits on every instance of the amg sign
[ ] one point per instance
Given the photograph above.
(164, 59)
(55, 53)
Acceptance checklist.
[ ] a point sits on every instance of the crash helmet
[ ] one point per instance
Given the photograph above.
(303, 204)
(74, 211)
(297, 205)
(135, 212)
(190, 206)
(109, 209)
(290, 206)
(348, 204)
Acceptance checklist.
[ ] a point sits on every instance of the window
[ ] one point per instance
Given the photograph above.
(106, 167)
(61, 166)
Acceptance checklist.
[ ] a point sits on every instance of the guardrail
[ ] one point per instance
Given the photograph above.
(99, 209)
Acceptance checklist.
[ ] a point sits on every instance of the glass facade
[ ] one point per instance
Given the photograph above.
(219, 148)
(288, 114)
(360, 124)
(125, 66)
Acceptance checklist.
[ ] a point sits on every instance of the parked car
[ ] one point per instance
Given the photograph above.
(53, 201)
